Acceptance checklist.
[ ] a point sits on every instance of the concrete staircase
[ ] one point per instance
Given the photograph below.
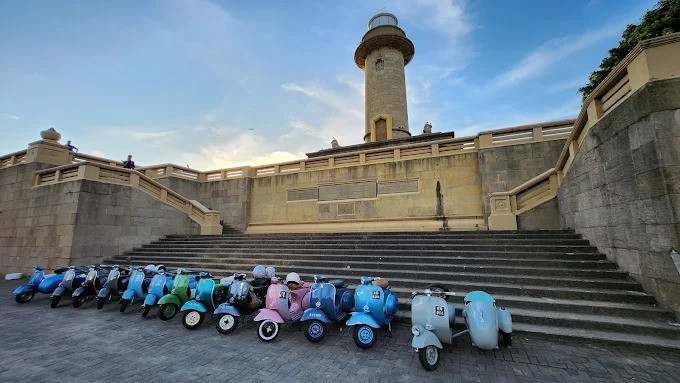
(554, 282)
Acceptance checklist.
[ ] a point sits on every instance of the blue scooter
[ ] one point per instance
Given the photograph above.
(39, 282)
(239, 303)
(137, 287)
(72, 279)
(209, 294)
(374, 306)
(94, 280)
(160, 285)
(328, 301)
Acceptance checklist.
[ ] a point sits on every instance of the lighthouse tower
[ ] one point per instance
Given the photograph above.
(383, 53)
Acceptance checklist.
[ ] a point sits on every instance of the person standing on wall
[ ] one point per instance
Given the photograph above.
(129, 164)
(71, 147)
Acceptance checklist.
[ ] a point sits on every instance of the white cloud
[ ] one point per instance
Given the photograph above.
(446, 17)
(10, 116)
(136, 134)
(543, 57)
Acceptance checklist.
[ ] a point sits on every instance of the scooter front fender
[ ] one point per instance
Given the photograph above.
(170, 298)
(24, 289)
(426, 338)
(128, 294)
(78, 292)
(270, 314)
(317, 314)
(362, 318)
(59, 291)
(226, 308)
(150, 299)
(194, 305)
(104, 293)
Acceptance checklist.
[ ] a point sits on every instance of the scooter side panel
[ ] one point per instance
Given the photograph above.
(317, 314)
(265, 314)
(50, 283)
(194, 305)
(170, 298)
(226, 308)
(362, 318)
(24, 289)
(426, 338)
(504, 320)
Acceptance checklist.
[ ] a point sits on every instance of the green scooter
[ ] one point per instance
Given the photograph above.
(179, 295)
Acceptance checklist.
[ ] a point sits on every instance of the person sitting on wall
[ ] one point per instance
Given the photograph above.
(71, 147)
(129, 164)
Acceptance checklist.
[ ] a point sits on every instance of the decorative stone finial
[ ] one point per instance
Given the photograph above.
(334, 143)
(428, 128)
(50, 134)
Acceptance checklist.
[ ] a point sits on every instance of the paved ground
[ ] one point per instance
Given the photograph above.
(90, 345)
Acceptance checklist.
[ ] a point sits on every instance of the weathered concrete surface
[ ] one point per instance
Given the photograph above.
(507, 167)
(230, 197)
(89, 345)
(622, 191)
(543, 217)
(112, 219)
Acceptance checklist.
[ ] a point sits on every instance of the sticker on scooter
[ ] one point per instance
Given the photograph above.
(376, 294)
(439, 311)
(283, 294)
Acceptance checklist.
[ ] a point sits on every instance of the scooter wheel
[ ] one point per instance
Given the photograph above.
(364, 336)
(504, 338)
(168, 311)
(146, 311)
(24, 297)
(100, 303)
(192, 319)
(124, 304)
(54, 301)
(78, 301)
(429, 357)
(315, 331)
(226, 324)
(268, 330)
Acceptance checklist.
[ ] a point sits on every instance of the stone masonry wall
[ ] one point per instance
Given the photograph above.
(229, 197)
(113, 219)
(36, 224)
(507, 167)
(622, 191)
(386, 89)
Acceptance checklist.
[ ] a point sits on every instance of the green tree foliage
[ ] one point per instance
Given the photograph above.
(663, 19)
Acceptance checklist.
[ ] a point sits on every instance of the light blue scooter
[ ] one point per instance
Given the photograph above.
(209, 294)
(137, 287)
(433, 318)
(374, 307)
(39, 282)
(160, 284)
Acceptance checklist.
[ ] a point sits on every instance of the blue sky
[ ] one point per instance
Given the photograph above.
(214, 84)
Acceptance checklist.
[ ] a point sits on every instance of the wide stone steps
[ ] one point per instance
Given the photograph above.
(553, 282)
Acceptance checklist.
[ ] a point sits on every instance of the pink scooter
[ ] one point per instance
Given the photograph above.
(282, 304)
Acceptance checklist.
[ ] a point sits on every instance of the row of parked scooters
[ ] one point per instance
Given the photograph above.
(273, 301)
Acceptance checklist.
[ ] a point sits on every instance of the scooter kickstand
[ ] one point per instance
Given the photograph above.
(389, 329)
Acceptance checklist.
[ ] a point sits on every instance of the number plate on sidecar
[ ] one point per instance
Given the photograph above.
(376, 294)
(439, 311)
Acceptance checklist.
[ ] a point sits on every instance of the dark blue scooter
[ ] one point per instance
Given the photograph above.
(328, 301)
(73, 278)
(39, 282)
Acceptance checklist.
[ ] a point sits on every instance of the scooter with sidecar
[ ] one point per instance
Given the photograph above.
(239, 303)
(73, 278)
(137, 287)
(209, 294)
(116, 283)
(181, 292)
(160, 285)
(374, 306)
(39, 282)
(94, 280)
(328, 301)
(433, 318)
(282, 304)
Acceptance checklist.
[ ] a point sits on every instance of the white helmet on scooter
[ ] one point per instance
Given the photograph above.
(259, 272)
(293, 277)
(270, 272)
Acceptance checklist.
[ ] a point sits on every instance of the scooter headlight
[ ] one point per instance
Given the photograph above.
(428, 326)
(415, 331)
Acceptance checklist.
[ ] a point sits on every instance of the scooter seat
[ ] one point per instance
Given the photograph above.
(337, 283)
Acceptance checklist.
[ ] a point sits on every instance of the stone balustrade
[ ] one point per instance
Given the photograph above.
(209, 220)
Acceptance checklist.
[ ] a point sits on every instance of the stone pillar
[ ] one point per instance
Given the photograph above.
(383, 53)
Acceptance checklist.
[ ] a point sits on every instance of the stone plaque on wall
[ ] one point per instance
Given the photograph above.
(303, 194)
(396, 187)
(346, 208)
(354, 190)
